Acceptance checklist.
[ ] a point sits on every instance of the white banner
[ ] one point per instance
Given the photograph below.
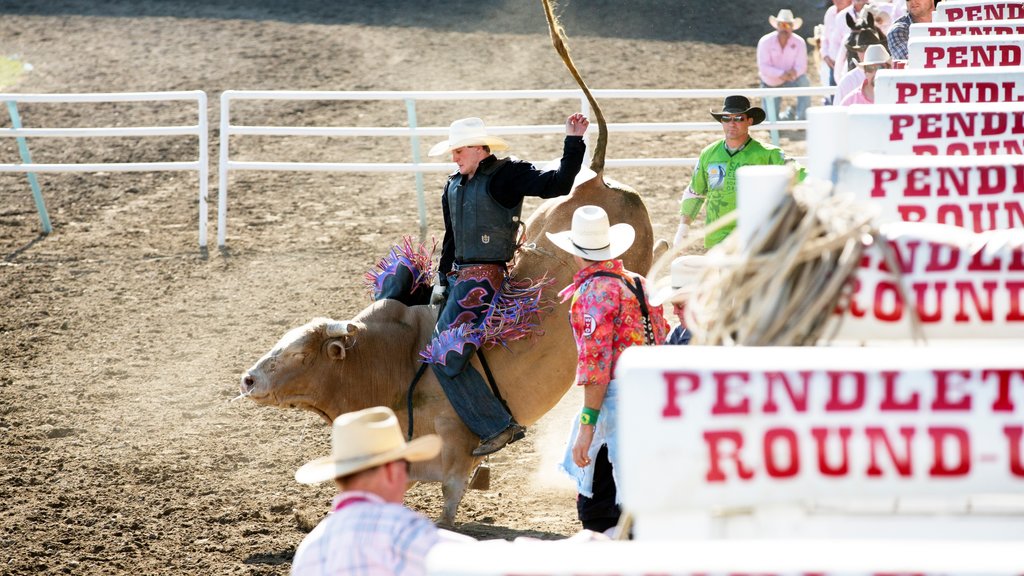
(976, 192)
(934, 86)
(966, 51)
(973, 10)
(960, 285)
(936, 129)
(714, 428)
(965, 28)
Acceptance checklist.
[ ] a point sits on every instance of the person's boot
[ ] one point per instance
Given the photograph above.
(500, 440)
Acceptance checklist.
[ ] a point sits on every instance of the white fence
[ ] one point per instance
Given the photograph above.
(200, 130)
(413, 132)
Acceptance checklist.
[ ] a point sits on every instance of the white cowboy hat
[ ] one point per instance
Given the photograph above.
(684, 275)
(364, 439)
(467, 132)
(591, 237)
(785, 15)
(875, 54)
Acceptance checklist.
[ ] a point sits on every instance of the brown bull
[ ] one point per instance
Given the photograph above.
(332, 367)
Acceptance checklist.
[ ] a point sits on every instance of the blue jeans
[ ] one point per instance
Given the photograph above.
(802, 102)
(469, 299)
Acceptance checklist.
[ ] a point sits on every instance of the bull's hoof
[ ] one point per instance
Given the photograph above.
(481, 479)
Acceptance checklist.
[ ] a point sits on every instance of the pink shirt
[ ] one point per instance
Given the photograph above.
(774, 60)
(606, 319)
(831, 40)
(856, 97)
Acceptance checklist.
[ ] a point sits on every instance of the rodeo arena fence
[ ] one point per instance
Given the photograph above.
(875, 454)
(412, 131)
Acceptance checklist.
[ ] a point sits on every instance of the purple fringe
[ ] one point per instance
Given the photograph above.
(417, 260)
(515, 314)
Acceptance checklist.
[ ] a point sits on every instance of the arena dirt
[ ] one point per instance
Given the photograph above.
(121, 341)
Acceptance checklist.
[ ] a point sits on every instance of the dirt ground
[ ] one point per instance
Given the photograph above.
(121, 342)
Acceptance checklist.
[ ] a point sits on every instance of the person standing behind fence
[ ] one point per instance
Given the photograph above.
(875, 58)
(918, 11)
(368, 530)
(481, 206)
(714, 176)
(676, 289)
(832, 38)
(610, 312)
(782, 62)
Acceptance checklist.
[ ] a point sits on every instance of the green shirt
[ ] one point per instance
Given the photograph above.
(714, 180)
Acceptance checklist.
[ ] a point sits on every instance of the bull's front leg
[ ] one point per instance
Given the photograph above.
(456, 464)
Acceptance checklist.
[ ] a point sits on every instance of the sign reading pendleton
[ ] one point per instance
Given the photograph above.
(749, 426)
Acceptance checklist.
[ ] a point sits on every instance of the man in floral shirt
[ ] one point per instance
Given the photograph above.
(609, 313)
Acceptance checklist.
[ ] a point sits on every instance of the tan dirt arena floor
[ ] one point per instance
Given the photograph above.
(121, 343)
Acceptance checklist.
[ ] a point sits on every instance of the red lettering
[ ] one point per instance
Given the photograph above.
(946, 383)
(899, 122)
(1016, 312)
(716, 453)
(888, 302)
(947, 174)
(912, 212)
(1003, 402)
(917, 183)
(1013, 435)
(882, 176)
(940, 467)
(984, 309)
(936, 262)
(836, 403)
(931, 92)
(889, 401)
(924, 313)
(723, 391)
(904, 90)
(992, 180)
(950, 214)
(933, 54)
(797, 398)
(931, 126)
(820, 438)
(673, 391)
(876, 437)
(771, 461)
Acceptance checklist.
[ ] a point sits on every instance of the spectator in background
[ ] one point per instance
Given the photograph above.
(714, 176)
(875, 58)
(782, 62)
(832, 38)
(918, 11)
(368, 530)
(841, 54)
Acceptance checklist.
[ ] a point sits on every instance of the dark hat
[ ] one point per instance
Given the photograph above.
(740, 105)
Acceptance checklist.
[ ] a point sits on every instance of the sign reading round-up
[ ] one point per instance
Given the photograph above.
(976, 28)
(709, 427)
(974, 10)
(976, 192)
(955, 284)
(934, 86)
(965, 51)
(936, 129)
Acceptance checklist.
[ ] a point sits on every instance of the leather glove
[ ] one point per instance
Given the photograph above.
(680, 234)
(438, 295)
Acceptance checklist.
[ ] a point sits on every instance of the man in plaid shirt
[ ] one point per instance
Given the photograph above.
(917, 11)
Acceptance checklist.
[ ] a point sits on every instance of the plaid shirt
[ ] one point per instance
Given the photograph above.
(898, 34)
(366, 536)
(606, 319)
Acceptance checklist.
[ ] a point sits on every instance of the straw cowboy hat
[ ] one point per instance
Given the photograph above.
(874, 55)
(591, 237)
(364, 439)
(684, 275)
(739, 105)
(785, 15)
(467, 132)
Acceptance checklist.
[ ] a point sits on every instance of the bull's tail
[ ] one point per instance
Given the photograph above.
(559, 41)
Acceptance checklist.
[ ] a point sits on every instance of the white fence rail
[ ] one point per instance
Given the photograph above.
(414, 132)
(200, 130)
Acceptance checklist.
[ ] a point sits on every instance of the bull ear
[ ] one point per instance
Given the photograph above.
(336, 350)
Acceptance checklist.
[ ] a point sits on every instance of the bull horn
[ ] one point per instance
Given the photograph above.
(339, 329)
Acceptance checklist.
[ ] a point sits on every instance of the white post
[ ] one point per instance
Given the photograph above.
(759, 190)
(222, 169)
(826, 140)
(204, 168)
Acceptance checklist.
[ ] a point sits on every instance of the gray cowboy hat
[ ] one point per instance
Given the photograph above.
(737, 104)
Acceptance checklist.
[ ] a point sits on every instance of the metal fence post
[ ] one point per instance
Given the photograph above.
(26, 157)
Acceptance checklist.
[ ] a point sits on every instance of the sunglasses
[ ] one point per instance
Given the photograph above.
(875, 67)
(727, 119)
(785, 26)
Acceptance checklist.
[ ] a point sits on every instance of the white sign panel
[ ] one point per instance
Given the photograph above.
(959, 285)
(937, 129)
(976, 192)
(966, 51)
(919, 86)
(713, 427)
(973, 10)
(965, 28)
